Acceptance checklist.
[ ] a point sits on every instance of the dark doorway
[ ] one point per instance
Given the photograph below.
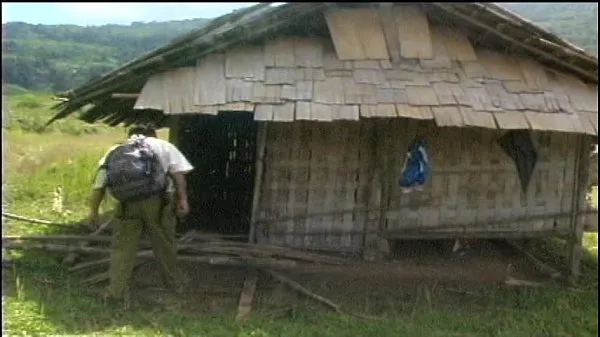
(222, 149)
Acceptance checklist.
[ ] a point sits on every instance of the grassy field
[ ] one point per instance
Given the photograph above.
(46, 300)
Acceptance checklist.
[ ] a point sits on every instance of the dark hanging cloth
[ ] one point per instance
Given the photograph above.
(518, 145)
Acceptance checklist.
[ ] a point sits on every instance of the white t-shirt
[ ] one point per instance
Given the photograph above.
(171, 159)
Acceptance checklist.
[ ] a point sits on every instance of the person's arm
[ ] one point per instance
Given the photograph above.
(96, 197)
(179, 166)
(180, 185)
(95, 201)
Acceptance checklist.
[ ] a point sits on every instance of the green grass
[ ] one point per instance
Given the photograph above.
(45, 299)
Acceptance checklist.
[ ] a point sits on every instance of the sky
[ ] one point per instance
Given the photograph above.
(101, 13)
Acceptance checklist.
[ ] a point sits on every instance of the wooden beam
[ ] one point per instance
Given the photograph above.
(490, 29)
(125, 96)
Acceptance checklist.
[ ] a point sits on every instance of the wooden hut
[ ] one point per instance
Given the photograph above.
(297, 118)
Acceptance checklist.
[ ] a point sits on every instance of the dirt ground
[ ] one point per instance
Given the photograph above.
(416, 268)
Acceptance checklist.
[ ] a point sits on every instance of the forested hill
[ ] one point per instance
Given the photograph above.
(60, 57)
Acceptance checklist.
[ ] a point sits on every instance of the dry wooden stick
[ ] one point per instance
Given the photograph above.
(70, 259)
(299, 288)
(38, 221)
(543, 267)
(510, 281)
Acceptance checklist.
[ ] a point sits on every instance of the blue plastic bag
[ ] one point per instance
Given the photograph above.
(417, 170)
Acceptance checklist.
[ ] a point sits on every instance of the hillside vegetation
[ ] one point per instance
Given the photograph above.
(60, 57)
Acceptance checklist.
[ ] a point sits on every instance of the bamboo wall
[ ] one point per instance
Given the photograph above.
(341, 169)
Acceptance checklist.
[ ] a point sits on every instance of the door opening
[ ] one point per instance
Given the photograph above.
(222, 149)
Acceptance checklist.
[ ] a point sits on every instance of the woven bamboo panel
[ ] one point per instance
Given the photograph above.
(324, 173)
(475, 181)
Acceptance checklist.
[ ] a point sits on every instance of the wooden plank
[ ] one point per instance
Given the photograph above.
(303, 90)
(237, 106)
(500, 98)
(499, 66)
(447, 116)
(303, 111)
(368, 110)
(511, 120)
(288, 92)
(365, 64)
(239, 90)
(308, 52)
(280, 75)
(280, 53)
(534, 74)
(548, 121)
(246, 297)
(283, 112)
(263, 112)
(457, 44)
(480, 99)
(421, 96)
(357, 34)
(272, 94)
(474, 69)
(388, 25)
(395, 96)
(246, 62)
(371, 76)
(441, 58)
(481, 119)
(150, 92)
(310, 74)
(330, 91)
(339, 73)
(211, 85)
(534, 102)
(414, 112)
(344, 35)
(321, 112)
(331, 60)
(443, 76)
(517, 87)
(345, 112)
(386, 110)
(413, 32)
(371, 35)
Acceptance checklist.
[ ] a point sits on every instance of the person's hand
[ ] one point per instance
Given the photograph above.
(183, 207)
(92, 221)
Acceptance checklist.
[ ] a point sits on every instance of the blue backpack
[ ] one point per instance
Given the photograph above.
(416, 171)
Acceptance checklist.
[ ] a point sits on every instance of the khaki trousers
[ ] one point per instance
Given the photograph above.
(156, 215)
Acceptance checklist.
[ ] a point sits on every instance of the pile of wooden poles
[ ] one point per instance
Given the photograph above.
(192, 247)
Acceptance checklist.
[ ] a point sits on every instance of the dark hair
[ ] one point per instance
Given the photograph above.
(145, 130)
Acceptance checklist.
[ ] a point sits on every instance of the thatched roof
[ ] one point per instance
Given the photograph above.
(487, 25)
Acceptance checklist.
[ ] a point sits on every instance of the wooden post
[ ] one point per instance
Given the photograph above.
(582, 162)
(247, 294)
(258, 177)
(374, 129)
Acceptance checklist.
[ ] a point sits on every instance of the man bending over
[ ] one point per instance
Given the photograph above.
(147, 176)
